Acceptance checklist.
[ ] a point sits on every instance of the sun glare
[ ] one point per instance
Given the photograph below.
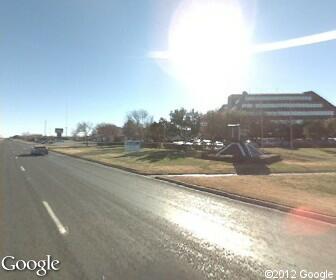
(209, 46)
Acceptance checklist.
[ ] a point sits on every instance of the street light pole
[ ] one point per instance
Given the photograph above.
(291, 132)
(261, 130)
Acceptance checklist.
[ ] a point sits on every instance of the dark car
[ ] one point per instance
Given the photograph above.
(39, 150)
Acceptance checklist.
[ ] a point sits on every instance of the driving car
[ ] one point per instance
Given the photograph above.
(39, 150)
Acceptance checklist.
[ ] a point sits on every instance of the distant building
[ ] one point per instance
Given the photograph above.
(278, 107)
(32, 137)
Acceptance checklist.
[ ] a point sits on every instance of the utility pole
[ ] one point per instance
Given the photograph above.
(66, 119)
(45, 127)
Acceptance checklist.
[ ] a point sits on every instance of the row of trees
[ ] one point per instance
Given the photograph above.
(320, 129)
(185, 125)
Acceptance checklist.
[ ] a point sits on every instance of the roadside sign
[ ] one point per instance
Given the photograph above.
(132, 146)
(59, 132)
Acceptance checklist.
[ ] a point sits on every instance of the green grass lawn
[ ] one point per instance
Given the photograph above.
(162, 161)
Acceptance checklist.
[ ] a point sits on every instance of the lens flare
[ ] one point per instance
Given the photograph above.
(209, 47)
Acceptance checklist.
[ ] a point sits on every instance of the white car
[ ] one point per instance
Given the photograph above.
(219, 144)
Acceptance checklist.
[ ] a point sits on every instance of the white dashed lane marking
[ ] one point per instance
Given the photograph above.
(62, 230)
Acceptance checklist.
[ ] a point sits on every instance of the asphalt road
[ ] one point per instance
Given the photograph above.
(103, 223)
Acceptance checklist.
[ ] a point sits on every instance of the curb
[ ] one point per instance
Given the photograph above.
(259, 202)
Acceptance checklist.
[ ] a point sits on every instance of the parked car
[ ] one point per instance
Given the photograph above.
(219, 144)
(197, 142)
(39, 150)
(206, 142)
(178, 143)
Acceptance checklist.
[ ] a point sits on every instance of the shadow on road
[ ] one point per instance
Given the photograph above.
(29, 155)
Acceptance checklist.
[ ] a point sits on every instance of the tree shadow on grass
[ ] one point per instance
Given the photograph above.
(156, 156)
(330, 152)
(251, 168)
(241, 167)
(100, 151)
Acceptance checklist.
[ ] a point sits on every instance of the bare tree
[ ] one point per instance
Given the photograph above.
(85, 128)
(140, 117)
(108, 132)
(137, 122)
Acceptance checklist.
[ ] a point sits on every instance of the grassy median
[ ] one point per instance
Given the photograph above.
(163, 161)
(150, 161)
(314, 192)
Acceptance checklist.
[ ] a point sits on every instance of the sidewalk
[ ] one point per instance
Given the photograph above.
(235, 174)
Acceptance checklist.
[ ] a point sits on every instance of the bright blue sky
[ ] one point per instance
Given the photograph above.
(92, 55)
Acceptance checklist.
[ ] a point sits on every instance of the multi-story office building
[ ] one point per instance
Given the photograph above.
(277, 107)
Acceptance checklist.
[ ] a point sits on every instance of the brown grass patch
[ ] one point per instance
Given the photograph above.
(313, 192)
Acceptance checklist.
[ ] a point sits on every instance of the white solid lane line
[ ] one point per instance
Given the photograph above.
(58, 223)
(22, 168)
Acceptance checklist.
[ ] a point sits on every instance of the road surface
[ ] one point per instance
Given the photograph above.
(104, 223)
